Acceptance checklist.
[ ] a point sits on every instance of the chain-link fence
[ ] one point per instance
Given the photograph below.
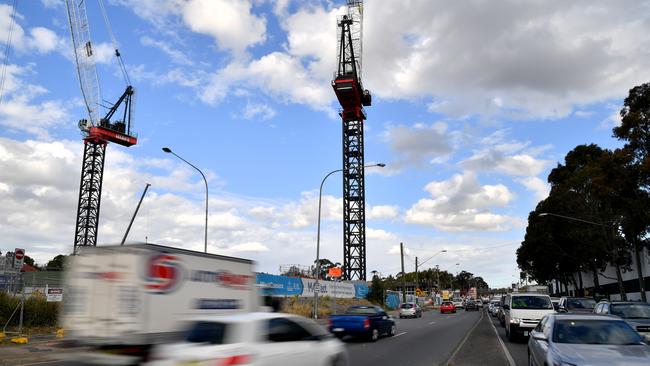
(30, 299)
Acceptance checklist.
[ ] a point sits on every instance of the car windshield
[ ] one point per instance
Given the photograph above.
(531, 302)
(578, 331)
(447, 303)
(361, 311)
(209, 332)
(588, 304)
(406, 306)
(631, 311)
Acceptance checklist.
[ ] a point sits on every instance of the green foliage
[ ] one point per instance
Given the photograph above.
(57, 263)
(37, 313)
(376, 292)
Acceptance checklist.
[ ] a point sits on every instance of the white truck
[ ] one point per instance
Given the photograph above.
(122, 300)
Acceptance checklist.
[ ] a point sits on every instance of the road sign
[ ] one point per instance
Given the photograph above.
(335, 272)
(54, 294)
(19, 257)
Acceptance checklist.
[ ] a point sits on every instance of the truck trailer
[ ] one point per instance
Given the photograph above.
(123, 300)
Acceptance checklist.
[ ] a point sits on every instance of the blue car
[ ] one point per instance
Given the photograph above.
(369, 322)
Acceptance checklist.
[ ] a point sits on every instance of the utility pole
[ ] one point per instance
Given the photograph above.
(417, 282)
(401, 250)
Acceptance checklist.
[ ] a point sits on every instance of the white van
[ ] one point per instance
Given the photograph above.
(522, 312)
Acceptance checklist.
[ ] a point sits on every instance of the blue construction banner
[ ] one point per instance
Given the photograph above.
(392, 300)
(279, 285)
(360, 291)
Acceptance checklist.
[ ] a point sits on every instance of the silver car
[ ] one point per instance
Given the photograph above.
(576, 339)
(410, 310)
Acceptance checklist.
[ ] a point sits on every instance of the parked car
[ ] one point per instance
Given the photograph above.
(581, 339)
(411, 310)
(522, 312)
(366, 321)
(458, 303)
(471, 305)
(636, 314)
(576, 305)
(447, 307)
(254, 339)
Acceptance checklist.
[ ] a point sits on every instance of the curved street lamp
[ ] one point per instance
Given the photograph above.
(320, 197)
(169, 151)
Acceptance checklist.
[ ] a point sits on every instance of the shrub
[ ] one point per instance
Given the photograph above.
(36, 313)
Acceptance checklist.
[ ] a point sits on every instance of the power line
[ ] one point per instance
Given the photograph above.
(5, 61)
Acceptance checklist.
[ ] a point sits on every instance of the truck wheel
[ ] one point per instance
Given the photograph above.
(374, 336)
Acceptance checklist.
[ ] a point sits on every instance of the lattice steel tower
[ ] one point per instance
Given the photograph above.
(352, 97)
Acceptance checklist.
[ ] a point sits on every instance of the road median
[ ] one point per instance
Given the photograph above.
(480, 347)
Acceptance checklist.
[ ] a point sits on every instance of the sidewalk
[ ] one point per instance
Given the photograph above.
(482, 347)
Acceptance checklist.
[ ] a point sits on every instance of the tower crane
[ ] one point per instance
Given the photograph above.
(100, 128)
(352, 97)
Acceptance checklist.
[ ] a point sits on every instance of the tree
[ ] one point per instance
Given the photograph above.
(635, 130)
(376, 292)
(29, 260)
(57, 263)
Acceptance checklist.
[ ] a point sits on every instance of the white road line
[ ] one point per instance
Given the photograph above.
(432, 323)
(399, 334)
(511, 361)
(465, 340)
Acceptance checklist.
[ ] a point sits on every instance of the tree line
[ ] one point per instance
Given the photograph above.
(597, 211)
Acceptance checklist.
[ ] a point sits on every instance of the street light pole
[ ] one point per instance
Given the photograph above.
(320, 198)
(169, 151)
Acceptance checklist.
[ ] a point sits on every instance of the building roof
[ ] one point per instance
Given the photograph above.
(27, 268)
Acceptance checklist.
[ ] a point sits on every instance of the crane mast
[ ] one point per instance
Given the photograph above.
(352, 98)
(97, 131)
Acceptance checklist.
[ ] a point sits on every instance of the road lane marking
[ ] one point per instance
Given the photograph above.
(432, 323)
(511, 361)
(399, 334)
(462, 343)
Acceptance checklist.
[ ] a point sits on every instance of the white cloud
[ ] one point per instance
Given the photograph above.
(258, 111)
(230, 22)
(542, 58)
(539, 187)
(379, 234)
(23, 108)
(462, 204)
(419, 144)
(382, 212)
(176, 55)
(514, 165)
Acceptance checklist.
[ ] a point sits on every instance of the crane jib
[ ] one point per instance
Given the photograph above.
(110, 135)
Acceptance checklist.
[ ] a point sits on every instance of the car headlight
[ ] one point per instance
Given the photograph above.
(515, 320)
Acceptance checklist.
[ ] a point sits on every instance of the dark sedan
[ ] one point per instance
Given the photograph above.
(471, 305)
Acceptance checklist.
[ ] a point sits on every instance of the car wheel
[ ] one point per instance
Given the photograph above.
(400, 317)
(374, 336)
(393, 330)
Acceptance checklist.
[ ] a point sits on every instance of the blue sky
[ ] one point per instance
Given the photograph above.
(473, 104)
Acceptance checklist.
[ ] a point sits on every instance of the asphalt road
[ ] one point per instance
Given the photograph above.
(518, 349)
(429, 340)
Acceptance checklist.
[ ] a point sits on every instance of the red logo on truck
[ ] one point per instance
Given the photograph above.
(163, 273)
